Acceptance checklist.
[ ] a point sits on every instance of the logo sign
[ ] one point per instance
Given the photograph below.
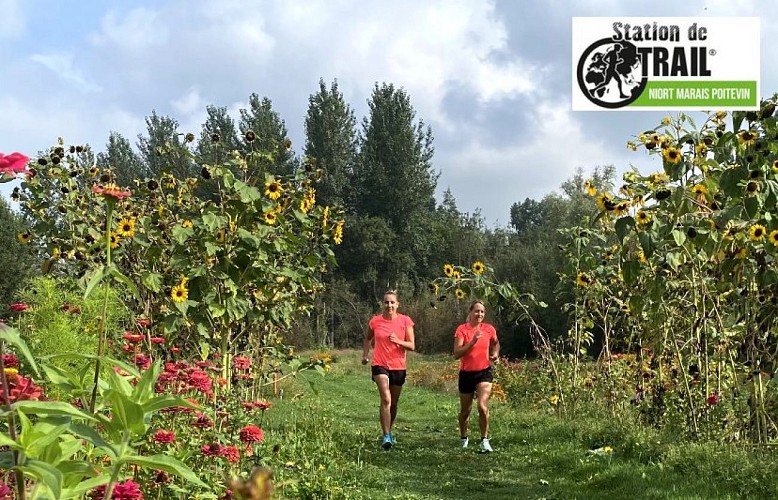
(665, 63)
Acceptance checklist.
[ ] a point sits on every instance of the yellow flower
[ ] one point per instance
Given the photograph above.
(126, 227)
(774, 237)
(632, 146)
(221, 234)
(672, 155)
(747, 137)
(11, 373)
(55, 253)
(114, 240)
(273, 189)
(338, 238)
(621, 208)
(741, 254)
(602, 200)
(554, 400)
(180, 292)
(699, 189)
(478, 267)
(187, 223)
(666, 120)
(448, 270)
(306, 204)
(269, 217)
(607, 449)
(583, 280)
(658, 178)
(757, 232)
(643, 217)
(590, 189)
(642, 257)
(459, 293)
(23, 238)
(325, 217)
(456, 275)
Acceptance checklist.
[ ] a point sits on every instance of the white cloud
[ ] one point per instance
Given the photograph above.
(13, 22)
(62, 65)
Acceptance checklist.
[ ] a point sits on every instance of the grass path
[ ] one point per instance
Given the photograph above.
(536, 456)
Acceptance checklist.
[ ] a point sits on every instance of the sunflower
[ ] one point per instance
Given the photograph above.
(93, 171)
(186, 224)
(657, 138)
(699, 189)
(478, 267)
(642, 257)
(603, 199)
(269, 217)
(114, 240)
(774, 166)
(306, 204)
(643, 217)
(126, 227)
(757, 232)
(774, 237)
(24, 238)
(701, 149)
(666, 120)
(459, 294)
(753, 187)
(590, 189)
(672, 155)
(325, 217)
(338, 237)
(448, 270)
(583, 279)
(747, 137)
(434, 289)
(621, 208)
(221, 234)
(180, 292)
(741, 254)
(273, 189)
(658, 178)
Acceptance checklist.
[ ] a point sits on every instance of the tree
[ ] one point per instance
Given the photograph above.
(161, 149)
(122, 159)
(218, 136)
(17, 258)
(270, 134)
(330, 139)
(394, 177)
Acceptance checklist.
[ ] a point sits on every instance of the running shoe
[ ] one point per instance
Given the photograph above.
(485, 446)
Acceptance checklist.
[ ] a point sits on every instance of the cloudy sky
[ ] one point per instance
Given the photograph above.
(491, 77)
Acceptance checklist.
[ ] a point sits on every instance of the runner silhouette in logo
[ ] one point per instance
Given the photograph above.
(609, 64)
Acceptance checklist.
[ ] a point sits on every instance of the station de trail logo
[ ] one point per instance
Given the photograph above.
(667, 63)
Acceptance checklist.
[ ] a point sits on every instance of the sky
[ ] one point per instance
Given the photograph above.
(492, 78)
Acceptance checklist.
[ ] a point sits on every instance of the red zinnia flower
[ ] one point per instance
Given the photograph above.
(22, 389)
(201, 381)
(19, 307)
(132, 337)
(251, 434)
(142, 361)
(111, 191)
(231, 453)
(263, 405)
(241, 363)
(143, 322)
(163, 436)
(10, 360)
(211, 450)
(157, 340)
(713, 399)
(128, 490)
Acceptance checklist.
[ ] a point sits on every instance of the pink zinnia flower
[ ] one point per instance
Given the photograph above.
(263, 405)
(713, 399)
(111, 191)
(132, 337)
(201, 381)
(163, 436)
(14, 163)
(22, 389)
(251, 434)
(157, 340)
(127, 490)
(19, 307)
(10, 360)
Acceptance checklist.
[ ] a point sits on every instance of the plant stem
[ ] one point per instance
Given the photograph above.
(20, 493)
(103, 323)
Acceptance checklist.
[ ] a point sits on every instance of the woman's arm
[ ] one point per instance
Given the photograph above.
(460, 348)
(366, 344)
(410, 340)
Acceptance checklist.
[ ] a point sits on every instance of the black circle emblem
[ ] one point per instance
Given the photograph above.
(610, 74)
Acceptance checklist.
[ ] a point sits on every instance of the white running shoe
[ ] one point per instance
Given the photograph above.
(485, 446)
(463, 442)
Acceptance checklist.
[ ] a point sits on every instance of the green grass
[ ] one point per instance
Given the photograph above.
(328, 447)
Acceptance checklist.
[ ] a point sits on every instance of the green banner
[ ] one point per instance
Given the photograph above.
(705, 93)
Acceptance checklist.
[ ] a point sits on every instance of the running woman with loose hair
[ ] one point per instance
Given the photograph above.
(475, 345)
(392, 334)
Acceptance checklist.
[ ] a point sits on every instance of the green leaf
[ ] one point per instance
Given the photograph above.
(91, 435)
(51, 408)
(127, 413)
(631, 271)
(60, 377)
(157, 403)
(5, 440)
(11, 336)
(84, 486)
(144, 389)
(181, 234)
(167, 464)
(624, 225)
(125, 280)
(152, 281)
(248, 194)
(751, 205)
(46, 473)
(217, 310)
(97, 277)
(679, 237)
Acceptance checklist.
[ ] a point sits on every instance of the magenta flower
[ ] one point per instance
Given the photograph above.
(251, 434)
(13, 164)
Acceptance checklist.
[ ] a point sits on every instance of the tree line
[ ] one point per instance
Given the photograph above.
(380, 173)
